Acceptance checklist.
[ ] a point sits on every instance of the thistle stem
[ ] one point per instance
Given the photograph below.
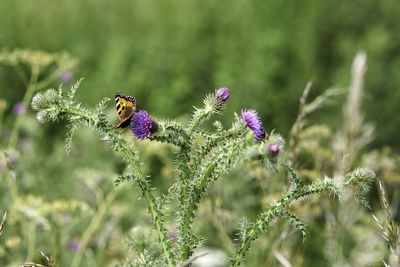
(273, 211)
(155, 212)
(195, 197)
(188, 218)
(199, 116)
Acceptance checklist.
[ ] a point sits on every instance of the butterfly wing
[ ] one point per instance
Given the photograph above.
(126, 107)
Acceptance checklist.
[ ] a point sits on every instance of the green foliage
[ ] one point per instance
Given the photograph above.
(198, 170)
(268, 48)
(205, 176)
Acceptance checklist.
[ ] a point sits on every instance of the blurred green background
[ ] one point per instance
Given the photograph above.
(169, 55)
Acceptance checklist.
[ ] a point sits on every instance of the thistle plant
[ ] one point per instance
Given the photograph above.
(204, 155)
(43, 69)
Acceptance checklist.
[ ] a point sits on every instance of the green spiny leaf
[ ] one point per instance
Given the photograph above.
(296, 222)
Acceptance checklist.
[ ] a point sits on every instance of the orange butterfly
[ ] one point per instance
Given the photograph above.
(126, 107)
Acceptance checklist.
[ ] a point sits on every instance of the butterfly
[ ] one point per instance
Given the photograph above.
(126, 107)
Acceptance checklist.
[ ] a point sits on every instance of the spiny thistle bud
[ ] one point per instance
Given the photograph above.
(252, 120)
(273, 149)
(142, 125)
(360, 179)
(222, 94)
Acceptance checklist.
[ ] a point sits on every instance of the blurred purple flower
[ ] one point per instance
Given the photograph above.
(66, 77)
(252, 120)
(74, 245)
(142, 125)
(223, 94)
(19, 109)
(273, 149)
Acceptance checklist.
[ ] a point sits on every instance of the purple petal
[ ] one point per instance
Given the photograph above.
(142, 125)
(223, 94)
(252, 120)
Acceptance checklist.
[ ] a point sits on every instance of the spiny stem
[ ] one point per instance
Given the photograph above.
(273, 211)
(195, 197)
(203, 114)
(155, 212)
(196, 120)
(209, 145)
(191, 208)
(75, 114)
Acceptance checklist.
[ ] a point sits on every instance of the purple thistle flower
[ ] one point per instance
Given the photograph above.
(252, 121)
(19, 109)
(222, 94)
(273, 149)
(66, 77)
(142, 125)
(74, 245)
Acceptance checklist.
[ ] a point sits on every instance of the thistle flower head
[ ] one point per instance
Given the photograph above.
(19, 109)
(252, 120)
(222, 94)
(273, 149)
(66, 77)
(218, 100)
(142, 125)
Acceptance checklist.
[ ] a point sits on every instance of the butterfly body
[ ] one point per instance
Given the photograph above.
(126, 107)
